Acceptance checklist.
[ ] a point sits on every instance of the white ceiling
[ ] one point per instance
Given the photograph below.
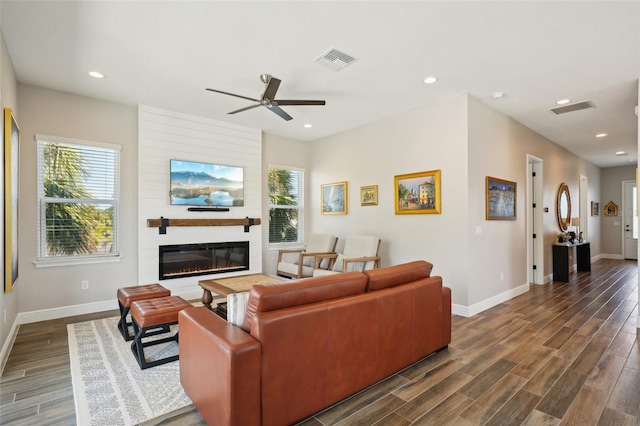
(166, 53)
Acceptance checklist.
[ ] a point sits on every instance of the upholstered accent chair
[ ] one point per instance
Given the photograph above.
(300, 263)
(360, 253)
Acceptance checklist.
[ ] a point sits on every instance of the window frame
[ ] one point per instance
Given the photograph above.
(299, 207)
(42, 201)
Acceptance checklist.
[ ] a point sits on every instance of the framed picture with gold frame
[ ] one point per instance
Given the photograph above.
(500, 199)
(11, 149)
(417, 193)
(369, 195)
(334, 198)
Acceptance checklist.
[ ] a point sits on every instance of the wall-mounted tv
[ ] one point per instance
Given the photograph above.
(202, 184)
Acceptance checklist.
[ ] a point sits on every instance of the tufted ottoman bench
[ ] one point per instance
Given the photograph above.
(127, 295)
(147, 315)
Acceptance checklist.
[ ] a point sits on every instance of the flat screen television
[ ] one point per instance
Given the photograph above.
(203, 184)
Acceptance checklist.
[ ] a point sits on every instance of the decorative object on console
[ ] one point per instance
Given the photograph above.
(563, 207)
(334, 198)
(611, 209)
(200, 184)
(500, 199)
(11, 149)
(595, 208)
(417, 193)
(575, 221)
(369, 195)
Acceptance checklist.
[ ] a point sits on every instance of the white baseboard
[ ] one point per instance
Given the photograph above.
(468, 311)
(90, 308)
(8, 344)
(610, 256)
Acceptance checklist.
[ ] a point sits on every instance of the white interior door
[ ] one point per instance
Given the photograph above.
(630, 219)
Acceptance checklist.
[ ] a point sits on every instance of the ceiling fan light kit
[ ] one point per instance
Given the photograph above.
(268, 98)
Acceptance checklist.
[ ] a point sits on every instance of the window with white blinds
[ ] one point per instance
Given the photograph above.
(286, 204)
(78, 198)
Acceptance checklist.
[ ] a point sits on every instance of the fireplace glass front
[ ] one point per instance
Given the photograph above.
(183, 260)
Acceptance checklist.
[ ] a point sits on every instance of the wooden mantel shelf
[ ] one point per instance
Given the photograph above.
(163, 222)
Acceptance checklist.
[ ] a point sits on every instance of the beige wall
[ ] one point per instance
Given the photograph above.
(611, 227)
(8, 301)
(467, 141)
(56, 113)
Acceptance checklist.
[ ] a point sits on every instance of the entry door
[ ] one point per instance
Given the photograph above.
(630, 220)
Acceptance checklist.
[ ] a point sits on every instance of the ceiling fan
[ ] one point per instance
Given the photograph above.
(268, 100)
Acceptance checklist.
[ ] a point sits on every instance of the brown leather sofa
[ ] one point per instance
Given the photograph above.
(308, 344)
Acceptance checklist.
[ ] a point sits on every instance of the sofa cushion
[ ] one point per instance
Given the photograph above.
(237, 307)
(397, 275)
(270, 297)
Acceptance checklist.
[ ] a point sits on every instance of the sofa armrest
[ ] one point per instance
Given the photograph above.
(220, 368)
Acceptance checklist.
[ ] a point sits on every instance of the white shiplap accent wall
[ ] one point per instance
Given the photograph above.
(165, 135)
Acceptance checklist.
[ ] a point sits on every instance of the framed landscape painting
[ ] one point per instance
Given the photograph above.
(11, 147)
(334, 198)
(501, 199)
(418, 193)
(369, 195)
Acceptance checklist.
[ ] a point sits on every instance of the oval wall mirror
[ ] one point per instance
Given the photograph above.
(563, 207)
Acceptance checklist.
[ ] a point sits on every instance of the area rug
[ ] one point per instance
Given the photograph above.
(108, 386)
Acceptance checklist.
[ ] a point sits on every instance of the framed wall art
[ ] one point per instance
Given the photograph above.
(369, 195)
(334, 198)
(11, 148)
(418, 193)
(500, 199)
(611, 209)
(595, 208)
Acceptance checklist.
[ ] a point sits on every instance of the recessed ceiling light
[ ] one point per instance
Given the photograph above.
(308, 126)
(563, 101)
(601, 135)
(96, 74)
(498, 95)
(621, 153)
(430, 80)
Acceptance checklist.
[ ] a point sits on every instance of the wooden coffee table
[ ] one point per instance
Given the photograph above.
(226, 286)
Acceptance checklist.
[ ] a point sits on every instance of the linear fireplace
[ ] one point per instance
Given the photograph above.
(183, 260)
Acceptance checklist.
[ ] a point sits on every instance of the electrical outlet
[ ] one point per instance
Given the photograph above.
(85, 284)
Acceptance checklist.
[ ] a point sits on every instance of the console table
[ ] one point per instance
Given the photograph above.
(562, 263)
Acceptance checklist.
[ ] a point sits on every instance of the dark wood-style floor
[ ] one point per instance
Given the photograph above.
(563, 353)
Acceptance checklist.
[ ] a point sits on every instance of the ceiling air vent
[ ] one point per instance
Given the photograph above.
(334, 59)
(574, 107)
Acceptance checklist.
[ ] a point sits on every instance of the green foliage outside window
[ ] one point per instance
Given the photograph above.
(284, 189)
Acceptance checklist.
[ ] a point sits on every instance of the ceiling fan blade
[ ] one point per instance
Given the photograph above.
(244, 109)
(297, 102)
(272, 88)
(233, 94)
(280, 112)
